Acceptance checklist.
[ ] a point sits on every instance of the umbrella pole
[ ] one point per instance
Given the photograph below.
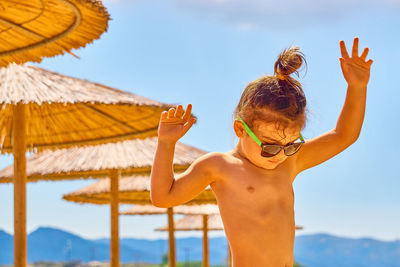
(19, 150)
(206, 262)
(171, 250)
(114, 246)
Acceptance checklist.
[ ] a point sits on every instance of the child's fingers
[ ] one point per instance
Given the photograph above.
(342, 63)
(171, 113)
(369, 62)
(343, 50)
(164, 115)
(354, 52)
(179, 111)
(364, 53)
(188, 110)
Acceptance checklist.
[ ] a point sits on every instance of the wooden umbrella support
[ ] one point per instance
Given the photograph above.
(171, 247)
(19, 150)
(114, 246)
(205, 242)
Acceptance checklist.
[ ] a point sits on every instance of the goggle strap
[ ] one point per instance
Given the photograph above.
(301, 138)
(250, 133)
(255, 138)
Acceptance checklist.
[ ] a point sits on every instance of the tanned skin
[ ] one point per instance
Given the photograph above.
(255, 194)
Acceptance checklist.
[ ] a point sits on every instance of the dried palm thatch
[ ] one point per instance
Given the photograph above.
(132, 156)
(206, 209)
(132, 190)
(31, 30)
(144, 210)
(195, 223)
(62, 111)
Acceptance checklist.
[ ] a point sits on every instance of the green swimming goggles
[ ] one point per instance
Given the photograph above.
(270, 150)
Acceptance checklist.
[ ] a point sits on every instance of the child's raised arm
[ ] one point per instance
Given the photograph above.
(356, 71)
(166, 191)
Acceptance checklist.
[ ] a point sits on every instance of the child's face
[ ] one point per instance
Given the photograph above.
(267, 133)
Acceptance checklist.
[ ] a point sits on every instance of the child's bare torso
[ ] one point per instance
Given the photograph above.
(257, 208)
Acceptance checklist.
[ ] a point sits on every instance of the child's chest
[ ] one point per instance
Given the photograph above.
(260, 192)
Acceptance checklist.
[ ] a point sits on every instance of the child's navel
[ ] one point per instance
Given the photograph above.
(250, 189)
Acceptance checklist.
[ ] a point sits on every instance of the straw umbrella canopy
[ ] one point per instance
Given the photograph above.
(195, 223)
(134, 190)
(42, 109)
(207, 209)
(203, 210)
(102, 161)
(129, 157)
(62, 111)
(33, 29)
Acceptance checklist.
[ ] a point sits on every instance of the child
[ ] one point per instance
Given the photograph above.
(253, 182)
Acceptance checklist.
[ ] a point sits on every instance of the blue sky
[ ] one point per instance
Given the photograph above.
(205, 53)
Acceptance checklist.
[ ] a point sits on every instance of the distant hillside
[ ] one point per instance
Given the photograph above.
(186, 248)
(49, 244)
(318, 250)
(6, 248)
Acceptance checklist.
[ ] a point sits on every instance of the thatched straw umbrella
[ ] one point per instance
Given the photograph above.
(204, 210)
(199, 222)
(42, 109)
(134, 190)
(102, 161)
(129, 157)
(195, 223)
(33, 29)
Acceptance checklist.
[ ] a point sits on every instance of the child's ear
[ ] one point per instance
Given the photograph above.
(239, 128)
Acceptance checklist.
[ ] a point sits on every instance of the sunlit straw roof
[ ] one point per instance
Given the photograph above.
(195, 223)
(132, 156)
(206, 209)
(132, 190)
(33, 29)
(62, 111)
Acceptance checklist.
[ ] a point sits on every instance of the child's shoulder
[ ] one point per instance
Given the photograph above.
(213, 158)
(218, 165)
(214, 161)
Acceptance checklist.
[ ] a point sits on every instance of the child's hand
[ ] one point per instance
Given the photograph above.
(174, 123)
(355, 68)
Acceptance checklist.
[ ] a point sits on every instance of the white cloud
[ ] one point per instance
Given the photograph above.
(250, 14)
(247, 26)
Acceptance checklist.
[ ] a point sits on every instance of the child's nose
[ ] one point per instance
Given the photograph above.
(280, 155)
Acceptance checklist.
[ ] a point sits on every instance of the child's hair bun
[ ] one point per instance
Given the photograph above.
(288, 62)
(276, 98)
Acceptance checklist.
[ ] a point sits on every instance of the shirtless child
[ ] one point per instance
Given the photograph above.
(253, 182)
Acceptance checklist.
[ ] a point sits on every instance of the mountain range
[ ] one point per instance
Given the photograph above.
(316, 250)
